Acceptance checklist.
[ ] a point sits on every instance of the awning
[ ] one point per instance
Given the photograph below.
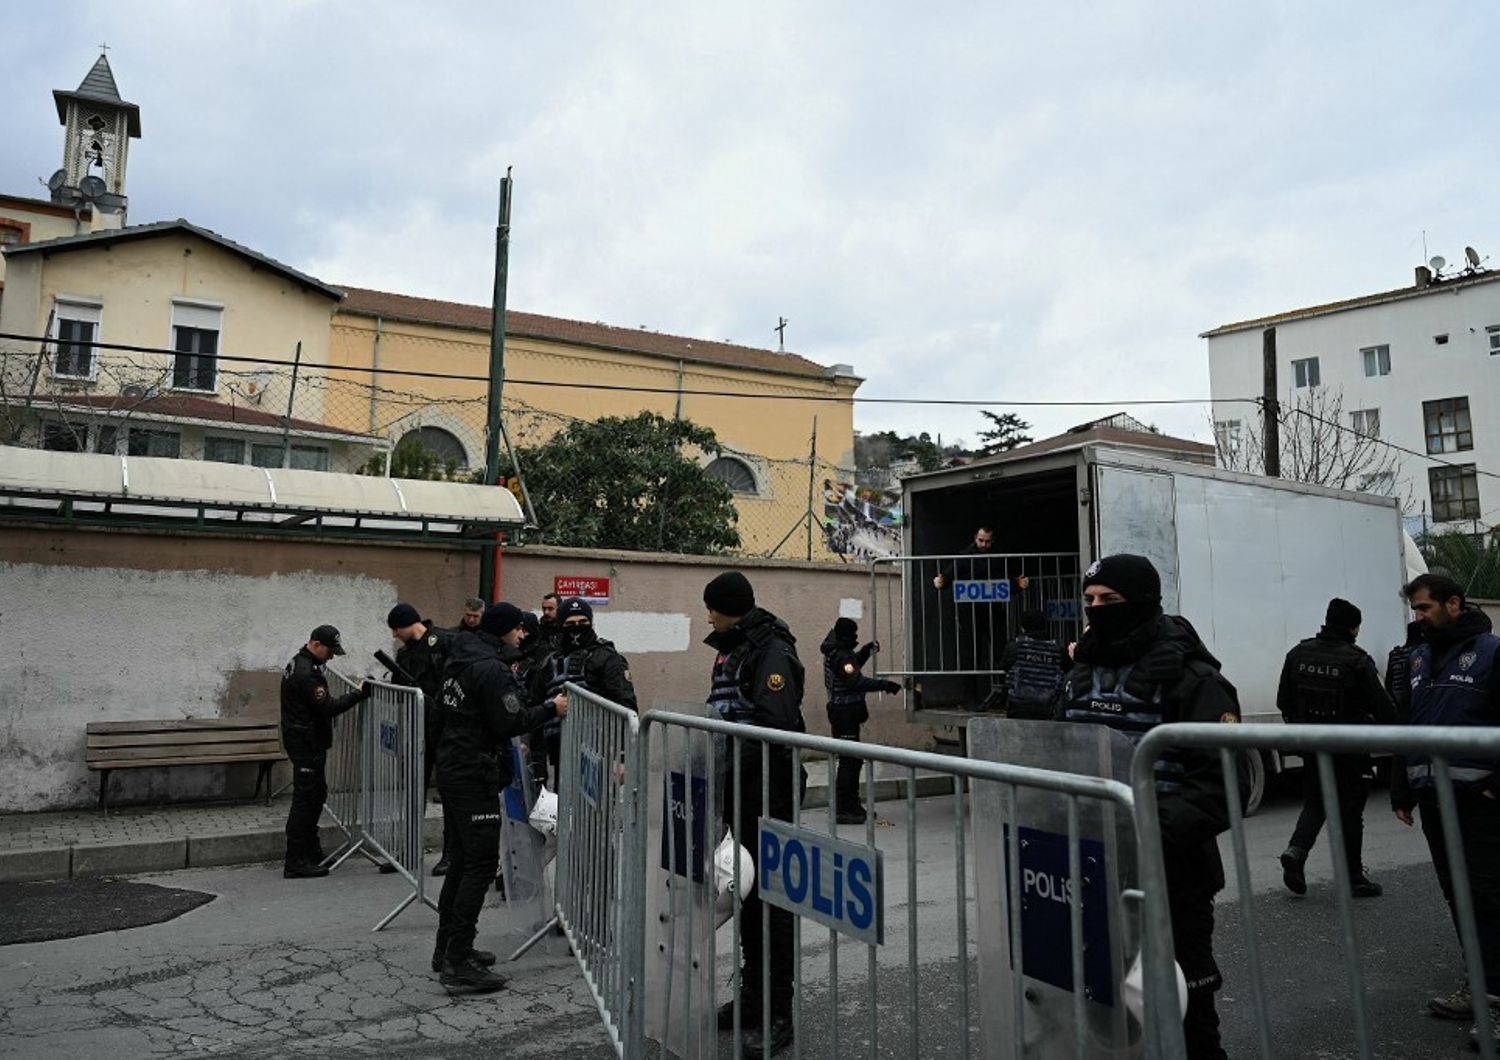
(95, 487)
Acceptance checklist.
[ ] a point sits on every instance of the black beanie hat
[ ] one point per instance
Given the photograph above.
(499, 619)
(845, 632)
(401, 616)
(1133, 577)
(575, 606)
(1342, 614)
(530, 623)
(730, 594)
(1034, 621)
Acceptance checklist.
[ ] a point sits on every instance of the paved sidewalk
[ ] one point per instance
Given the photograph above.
(133, 839)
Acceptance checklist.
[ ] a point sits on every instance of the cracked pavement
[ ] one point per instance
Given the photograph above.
(280, 968)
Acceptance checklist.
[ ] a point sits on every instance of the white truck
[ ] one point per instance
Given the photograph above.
(1250, 561)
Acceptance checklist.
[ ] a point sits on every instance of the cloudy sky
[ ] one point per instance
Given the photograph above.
(1007, 203)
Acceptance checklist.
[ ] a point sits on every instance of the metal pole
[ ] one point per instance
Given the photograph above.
(812, 467)
(286, 424)
(1270, 407)
(497, 375)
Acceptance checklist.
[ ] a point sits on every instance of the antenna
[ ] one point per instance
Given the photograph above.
(91, 187)
(57, 180)
(1473, 256)
(1438, 263)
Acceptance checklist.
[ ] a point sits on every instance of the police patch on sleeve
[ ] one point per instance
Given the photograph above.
(320, 692)
(512, 703)
(432, 640)
(1229, 717)
(776, 682)
(848, 668)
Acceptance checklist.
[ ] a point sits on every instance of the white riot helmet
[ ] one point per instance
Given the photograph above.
(1133, 991)
(544, 812)
(728, 876)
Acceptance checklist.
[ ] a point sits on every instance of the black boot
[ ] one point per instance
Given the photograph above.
(1293, 864)
(768, 1041)
(467, 974)
(303, 870)
(482, 957)
(441, 868)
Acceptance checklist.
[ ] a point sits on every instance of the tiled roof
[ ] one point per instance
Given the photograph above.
(98, 86)
(183, 407)
(159, 228)
(392, 306)
(1399, 294)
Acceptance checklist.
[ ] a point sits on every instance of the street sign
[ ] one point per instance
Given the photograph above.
(590, 590)
(817, 876)
(982, 591)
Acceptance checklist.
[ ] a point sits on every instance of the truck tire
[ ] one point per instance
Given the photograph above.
(1255, 775)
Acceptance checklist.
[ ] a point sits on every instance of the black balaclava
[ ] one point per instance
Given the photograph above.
(575, 636)
(846, 633)
(1134, 578)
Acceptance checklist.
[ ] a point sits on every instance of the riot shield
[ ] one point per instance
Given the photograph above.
(1039, 821)
(525, 854)
(684, 826)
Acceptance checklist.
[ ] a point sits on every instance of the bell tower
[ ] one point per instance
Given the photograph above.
(99, 127)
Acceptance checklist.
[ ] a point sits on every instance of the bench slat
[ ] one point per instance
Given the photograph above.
(176, 725)
(202, 760)
(214, 752)
(184, 739)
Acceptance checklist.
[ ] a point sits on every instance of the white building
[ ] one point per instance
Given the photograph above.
(1417, 367)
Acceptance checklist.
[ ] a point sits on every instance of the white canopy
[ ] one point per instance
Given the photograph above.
(141, 481)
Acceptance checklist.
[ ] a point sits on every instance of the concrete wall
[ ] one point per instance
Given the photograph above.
(106, 626)
(109, 625)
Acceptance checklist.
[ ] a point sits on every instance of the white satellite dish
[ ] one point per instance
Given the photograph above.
(1473, 256)
(1438, 263)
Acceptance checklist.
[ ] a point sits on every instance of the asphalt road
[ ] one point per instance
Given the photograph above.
(291, 968)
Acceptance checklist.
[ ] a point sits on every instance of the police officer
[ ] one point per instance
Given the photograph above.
(1327, 680)
(757, 680)
(584, 658)
(307, 713)
(1135, 668)
(1398, 670)
(972, 622)
(847, 709)
(483, 710)
(1032, 667)
(422, 656)
(1455, 680)
(549, 620)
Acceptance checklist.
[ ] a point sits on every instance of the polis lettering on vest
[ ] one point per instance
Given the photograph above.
(982, 592)
(820, 877)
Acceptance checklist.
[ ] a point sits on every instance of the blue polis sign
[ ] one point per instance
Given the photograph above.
(839, 884)
(983, 591)
(388, 734)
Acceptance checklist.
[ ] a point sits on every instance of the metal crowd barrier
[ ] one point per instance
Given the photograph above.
(599, 902)
(1317, 744)
(961, 629)
(375, 783)
(836, 879)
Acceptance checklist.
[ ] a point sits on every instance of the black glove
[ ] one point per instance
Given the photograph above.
(366, 690)
(890, 686)
(872, 646)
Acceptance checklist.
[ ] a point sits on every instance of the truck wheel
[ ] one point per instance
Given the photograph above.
(1255, 774)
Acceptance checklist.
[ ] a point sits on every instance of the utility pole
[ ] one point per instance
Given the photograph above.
(812, 468)
(1270, 407)
(489, 557)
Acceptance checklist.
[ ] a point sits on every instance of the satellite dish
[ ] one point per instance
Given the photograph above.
(57, 180)
(1473, 256)
(1438, 263)
(91, 187)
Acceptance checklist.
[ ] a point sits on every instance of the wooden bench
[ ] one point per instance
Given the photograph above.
(115, 745)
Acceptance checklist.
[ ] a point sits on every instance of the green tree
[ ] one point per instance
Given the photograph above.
(1469, 559)
(1005, 432)
(411, 459)
(630, 483)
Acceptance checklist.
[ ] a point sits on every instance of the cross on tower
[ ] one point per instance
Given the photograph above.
(103, 47)
(780, 329)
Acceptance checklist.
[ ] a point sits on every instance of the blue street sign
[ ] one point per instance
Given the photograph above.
(839, 884)
(988, 591)
(388, 733)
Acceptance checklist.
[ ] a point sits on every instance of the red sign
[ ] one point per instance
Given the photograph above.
(593, 590)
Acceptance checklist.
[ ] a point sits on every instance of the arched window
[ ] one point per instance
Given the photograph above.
(444, 445)
(735, 474)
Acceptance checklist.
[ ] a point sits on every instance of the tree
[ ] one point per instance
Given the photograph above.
(883, 448)
(1320, 444)
(630, 483)
(411, 459)
(1472, 560)
(1006, 432)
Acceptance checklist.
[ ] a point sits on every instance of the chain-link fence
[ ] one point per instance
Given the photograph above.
(657, 483)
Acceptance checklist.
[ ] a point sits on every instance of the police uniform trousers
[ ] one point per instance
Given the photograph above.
(846, 786)
(765, 931)
(1192, 908)
(1352, 790)
(471, 824)
(309, 793)
(1479, 829)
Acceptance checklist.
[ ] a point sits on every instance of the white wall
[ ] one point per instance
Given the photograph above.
(98, 643)
(1420, 371)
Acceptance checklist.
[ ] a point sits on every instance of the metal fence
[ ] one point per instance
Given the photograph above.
(1318, 744)
(598, 820)
(955, 613)
(375, 781)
